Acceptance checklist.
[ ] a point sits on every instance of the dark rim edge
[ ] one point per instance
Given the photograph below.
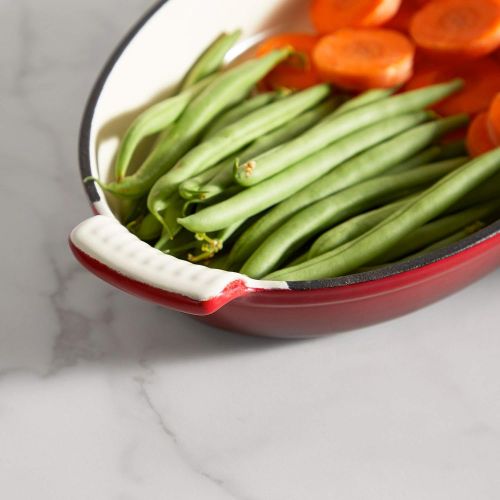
(384, 272)
(401, 267)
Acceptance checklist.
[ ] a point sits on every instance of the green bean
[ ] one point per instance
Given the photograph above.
(453, 149)
(298, 260)
(190, 188)
(130, 210)
(425, 156)
(214, 200)
(489, 190)
(224, 91)
(363, 99)
(177, 209)
(155, 119)
(231, 139)
(435, 152)
(213, 245)
(352, 228)
(370, 163)
(148, 229)
(329, 130)
(453, 238)
(211, 59)
(336, 208)
(437, 230)
(240, 111)
(218, 262)
(298, 125)
(430, 204)
(258, 198)
(183, 241)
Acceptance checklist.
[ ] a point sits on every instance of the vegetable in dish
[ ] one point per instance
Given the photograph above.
(325, 153)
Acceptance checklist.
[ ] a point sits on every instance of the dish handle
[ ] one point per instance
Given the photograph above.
(107, 249)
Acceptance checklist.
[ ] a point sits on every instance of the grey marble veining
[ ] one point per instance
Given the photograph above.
(103, 396)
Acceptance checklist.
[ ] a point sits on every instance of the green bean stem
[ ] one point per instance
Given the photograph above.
(231, 139)
(396, 147)
(213, 245)
(430, 204)
(331, 129)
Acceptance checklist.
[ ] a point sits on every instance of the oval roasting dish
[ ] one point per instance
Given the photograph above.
(148, 60)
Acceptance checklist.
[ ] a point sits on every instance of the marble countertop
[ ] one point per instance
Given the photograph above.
(105, 397)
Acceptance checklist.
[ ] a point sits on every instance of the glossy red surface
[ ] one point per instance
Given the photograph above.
(161, 297)
(301, 312)
(307, 313)
(318, 311)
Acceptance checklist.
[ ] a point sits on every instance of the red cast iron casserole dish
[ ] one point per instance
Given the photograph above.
(149, 59)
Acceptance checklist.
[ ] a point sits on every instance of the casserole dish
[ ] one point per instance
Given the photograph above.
(150, 59)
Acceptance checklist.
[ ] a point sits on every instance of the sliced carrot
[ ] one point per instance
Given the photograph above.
(478, 137)
(481, 83)
(364, 58)
(494, 120)
(465, 28)
(297, 72)
(330, 15)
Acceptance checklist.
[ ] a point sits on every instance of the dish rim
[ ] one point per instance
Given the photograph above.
(84, 146)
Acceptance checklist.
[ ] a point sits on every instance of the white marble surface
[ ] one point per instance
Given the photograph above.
(104, 397)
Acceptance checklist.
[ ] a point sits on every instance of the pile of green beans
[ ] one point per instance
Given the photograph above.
(298, 185)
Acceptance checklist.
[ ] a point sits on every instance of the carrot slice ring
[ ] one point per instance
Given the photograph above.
(465, 28)
(330, 15)
(481, 83)
(478, 137)
(360, 59)
(298, 71)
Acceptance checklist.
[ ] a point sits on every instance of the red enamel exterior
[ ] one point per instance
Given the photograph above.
(308, 313)
(161, 297)
(303, 313)
(324, 307)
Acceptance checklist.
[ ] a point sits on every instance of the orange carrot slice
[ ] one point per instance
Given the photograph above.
(478, 137)
(360, 59)
(330, 15)
(481, 83)
(494, 120)
(297, 72)
(465, 28)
